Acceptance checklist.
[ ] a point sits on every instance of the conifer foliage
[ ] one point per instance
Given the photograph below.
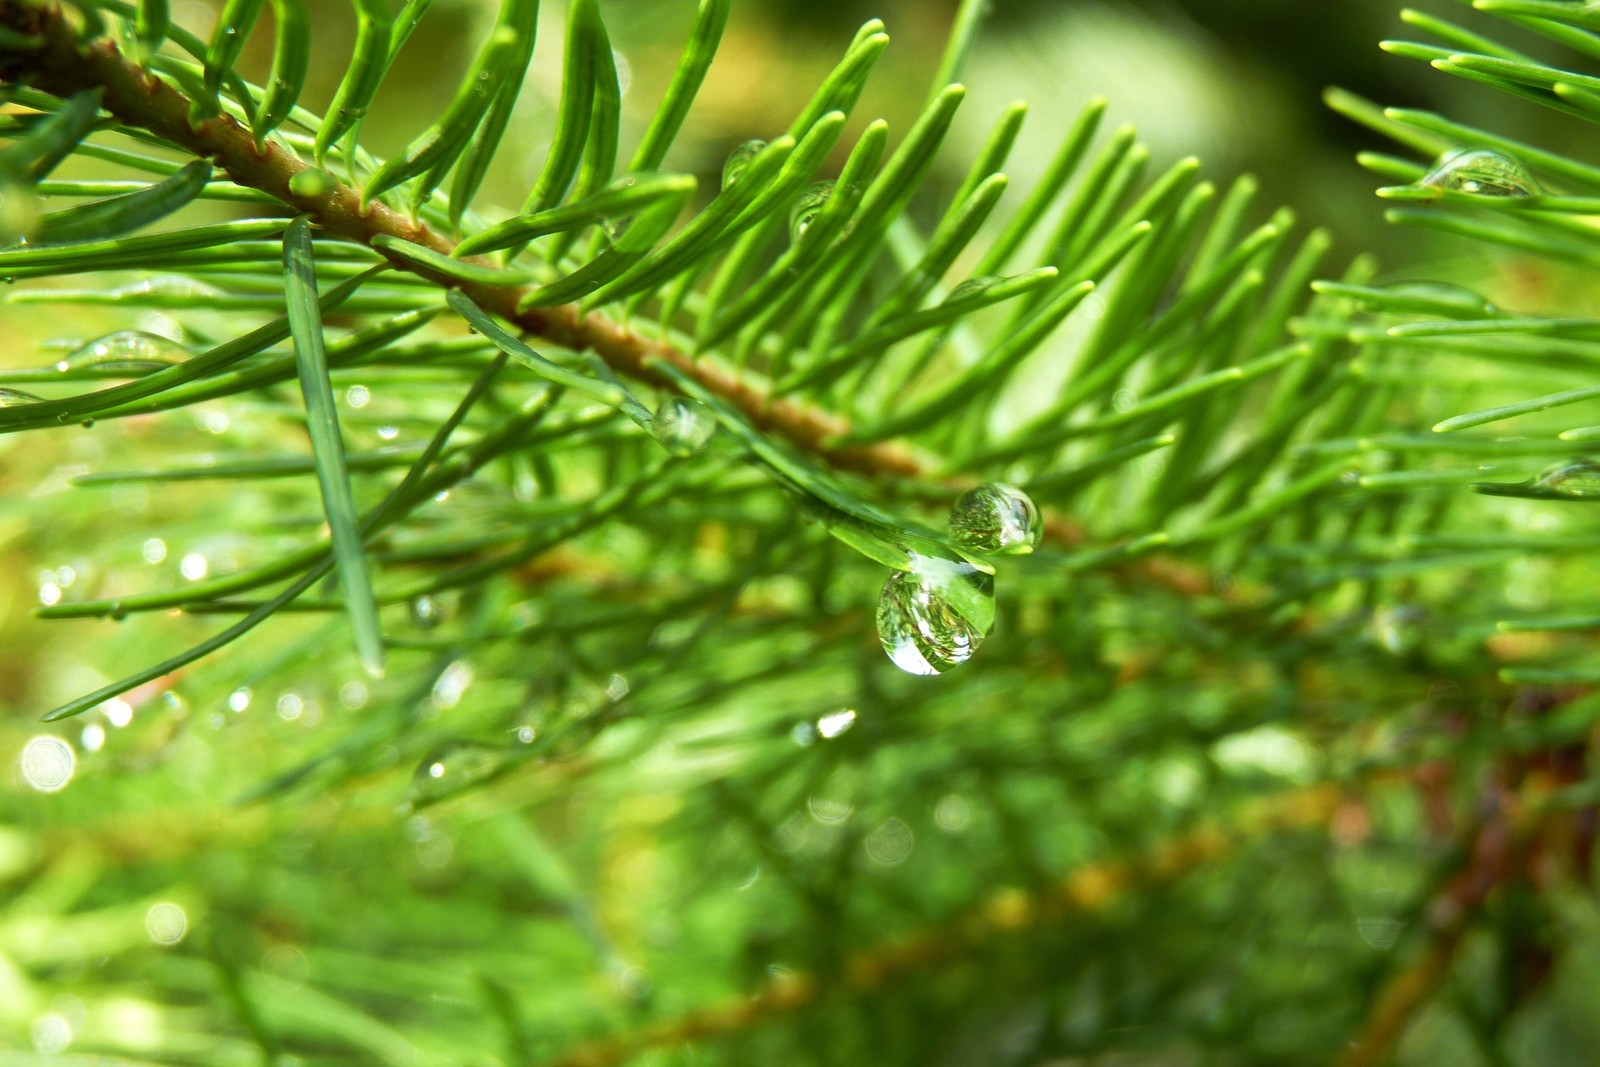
(1235, 706)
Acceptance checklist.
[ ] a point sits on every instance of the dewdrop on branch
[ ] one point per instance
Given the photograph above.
(739, 160)
(1481, 172)
(807, 208)
(683, 426)
(935, 616)
(995, 518)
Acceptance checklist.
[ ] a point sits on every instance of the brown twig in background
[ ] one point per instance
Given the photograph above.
(1089, 888)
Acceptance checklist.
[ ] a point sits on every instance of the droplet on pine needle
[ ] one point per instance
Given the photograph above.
(1380, 933)
(807, 208)
(426, 612)
(935, 616)
(13, 398)
(1481, 172)
(453, 766)
(1445, 296)
(970, 287)
(739, 160)
(130, 353)
(683, 426)
(1577, 481)
(997, 518)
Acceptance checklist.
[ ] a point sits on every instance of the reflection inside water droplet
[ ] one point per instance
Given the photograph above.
(125, 353)
(1577, 481)
(934, 617)
(995, 518)
(1481, 172)
(739, 160)
(683, 426)
(807, 207)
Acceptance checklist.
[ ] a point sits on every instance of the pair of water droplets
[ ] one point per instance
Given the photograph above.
(934, 616)
(806, 207)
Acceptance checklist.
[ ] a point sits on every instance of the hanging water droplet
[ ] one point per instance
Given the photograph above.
(426, 612)
(970, 287)
(739, 160)
(807, 208)
(934, 617)
(13, 398)
(453, 766)
(995, 517)
(126, 353)
(616, 226)
(312, 183)
(683, 426)
(1481, 172)
(1576, 481)
(1446, 297)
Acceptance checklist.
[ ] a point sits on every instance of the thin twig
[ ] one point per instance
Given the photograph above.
(1089, 888)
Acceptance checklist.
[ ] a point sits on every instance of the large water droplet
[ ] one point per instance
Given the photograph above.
(995, 517)
(12, 398)
(971, 287)
(1575, 481)
(1481, 172)
(934, 617)
(126, 353)
(807, 208)
(683, 426)
(739, 160)
(454, 766)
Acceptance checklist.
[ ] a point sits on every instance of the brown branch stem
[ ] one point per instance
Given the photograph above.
(63, 65)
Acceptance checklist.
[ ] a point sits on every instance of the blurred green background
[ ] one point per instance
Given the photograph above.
(142, 875)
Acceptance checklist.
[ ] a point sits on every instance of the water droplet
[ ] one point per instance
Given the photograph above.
(194, 566)
(1576, 481)
(358, 396)
(166, 923)
(154, 550)
(47, 763)
(970, 287)
(826, 810)
(935, 617)
(453, 766)
(1445, 296)
(831, 726)
(1481, 172)
(739, 160)
(125, 353)
(807, 208)
(239, 699)
(995, 517)
(615, 226)
(93, 737)
(13, 398)
(312, 183)
(683, 426)
(452, 683)
(426, 612)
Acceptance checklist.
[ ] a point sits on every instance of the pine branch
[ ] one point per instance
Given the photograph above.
(1006, 913)
(59, 63)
